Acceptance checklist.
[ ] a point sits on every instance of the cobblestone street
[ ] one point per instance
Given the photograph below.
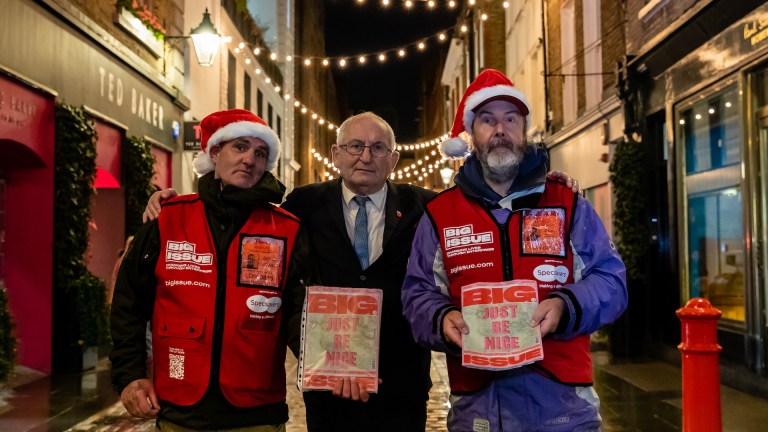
(115, 418)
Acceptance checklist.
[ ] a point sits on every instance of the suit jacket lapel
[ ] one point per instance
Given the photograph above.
(391, 216)
(333, 202)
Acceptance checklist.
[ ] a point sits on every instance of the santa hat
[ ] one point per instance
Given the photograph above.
(490, 85)
(227, 125)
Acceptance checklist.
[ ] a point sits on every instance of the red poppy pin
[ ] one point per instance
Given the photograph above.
(399, 214)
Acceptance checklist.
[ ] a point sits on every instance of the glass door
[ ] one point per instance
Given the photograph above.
(710, 137)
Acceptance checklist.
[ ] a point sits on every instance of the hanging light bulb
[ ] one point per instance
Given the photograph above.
(471, 2)
(267, 80)
(441, 36)
(505, 4)
(307, 62)
(325, 62)
(382, 57)
(258, 71)
(451, 4)
(463, 28)
(303, 110)
(342, 62)
(247, 61)
(401, 53)
(484, 17)
(321, 121)
(385, 2)
(431, 4)
(296, 103)
(288, 58)
(277, 89)
(256, 51)
(237, 50)
(273, 56)
(408, 4)
(421, 45)
(241, 45)
(361, 59)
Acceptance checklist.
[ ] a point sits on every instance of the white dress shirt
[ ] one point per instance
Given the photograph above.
(374, 210)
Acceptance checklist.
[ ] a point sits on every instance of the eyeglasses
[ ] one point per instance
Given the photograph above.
(357, 148)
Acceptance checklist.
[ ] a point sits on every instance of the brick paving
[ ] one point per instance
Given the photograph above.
(115, 419)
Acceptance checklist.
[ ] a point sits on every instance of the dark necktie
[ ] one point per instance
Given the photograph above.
(361, 231)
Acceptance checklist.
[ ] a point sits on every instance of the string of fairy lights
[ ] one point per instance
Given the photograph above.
(416, 170)
(430, 4)
(421, 167)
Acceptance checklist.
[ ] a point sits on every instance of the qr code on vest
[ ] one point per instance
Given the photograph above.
(176, 366)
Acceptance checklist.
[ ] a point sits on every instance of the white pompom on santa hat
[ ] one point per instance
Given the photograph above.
(489, 85)
(227, 125)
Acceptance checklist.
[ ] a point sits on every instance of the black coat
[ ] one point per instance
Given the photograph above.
(403, 365)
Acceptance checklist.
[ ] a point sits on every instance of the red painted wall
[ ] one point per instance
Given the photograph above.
(27, 149)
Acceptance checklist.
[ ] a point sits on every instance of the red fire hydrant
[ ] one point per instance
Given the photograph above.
(701, 367)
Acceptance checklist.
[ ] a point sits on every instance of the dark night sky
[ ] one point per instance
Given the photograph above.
(390, 90)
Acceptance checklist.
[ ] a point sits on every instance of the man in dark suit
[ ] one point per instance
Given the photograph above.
(365, 155)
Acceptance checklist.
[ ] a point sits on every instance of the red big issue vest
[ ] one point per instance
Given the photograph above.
(534, 245)
(252, 354)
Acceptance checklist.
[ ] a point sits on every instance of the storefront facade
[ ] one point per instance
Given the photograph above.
(706, 127)
(124, 96)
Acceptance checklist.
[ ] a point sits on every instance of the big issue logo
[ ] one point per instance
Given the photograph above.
(465, 236)
(343, 304)
(184, 252)
(491, 295)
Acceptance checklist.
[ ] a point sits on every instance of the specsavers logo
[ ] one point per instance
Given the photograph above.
(465, 236)
(184, 252)
(549, 273)
(259, 303)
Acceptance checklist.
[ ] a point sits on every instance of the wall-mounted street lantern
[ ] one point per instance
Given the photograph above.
(205, 39)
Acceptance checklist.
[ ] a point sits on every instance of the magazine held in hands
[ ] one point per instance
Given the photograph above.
(498, 315)
(340, 337)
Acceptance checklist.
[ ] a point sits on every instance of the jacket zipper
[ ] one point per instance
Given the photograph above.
(506, 252)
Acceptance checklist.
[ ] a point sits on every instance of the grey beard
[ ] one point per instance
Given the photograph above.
(501, 173)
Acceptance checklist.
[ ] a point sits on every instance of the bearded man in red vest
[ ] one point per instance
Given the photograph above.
(220, 275)
(530, 227)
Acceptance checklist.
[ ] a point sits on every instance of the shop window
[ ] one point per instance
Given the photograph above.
(716, 251)
(711, 132)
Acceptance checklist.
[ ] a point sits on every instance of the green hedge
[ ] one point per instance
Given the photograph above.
(7, 338)
(138, 169)
(74, 174)
(627, 177)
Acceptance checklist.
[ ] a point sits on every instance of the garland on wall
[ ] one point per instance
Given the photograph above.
(7, 338)
(138, 169)
(626, 177)
(74, 174)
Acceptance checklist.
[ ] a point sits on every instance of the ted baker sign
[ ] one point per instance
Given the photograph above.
(112, 89)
